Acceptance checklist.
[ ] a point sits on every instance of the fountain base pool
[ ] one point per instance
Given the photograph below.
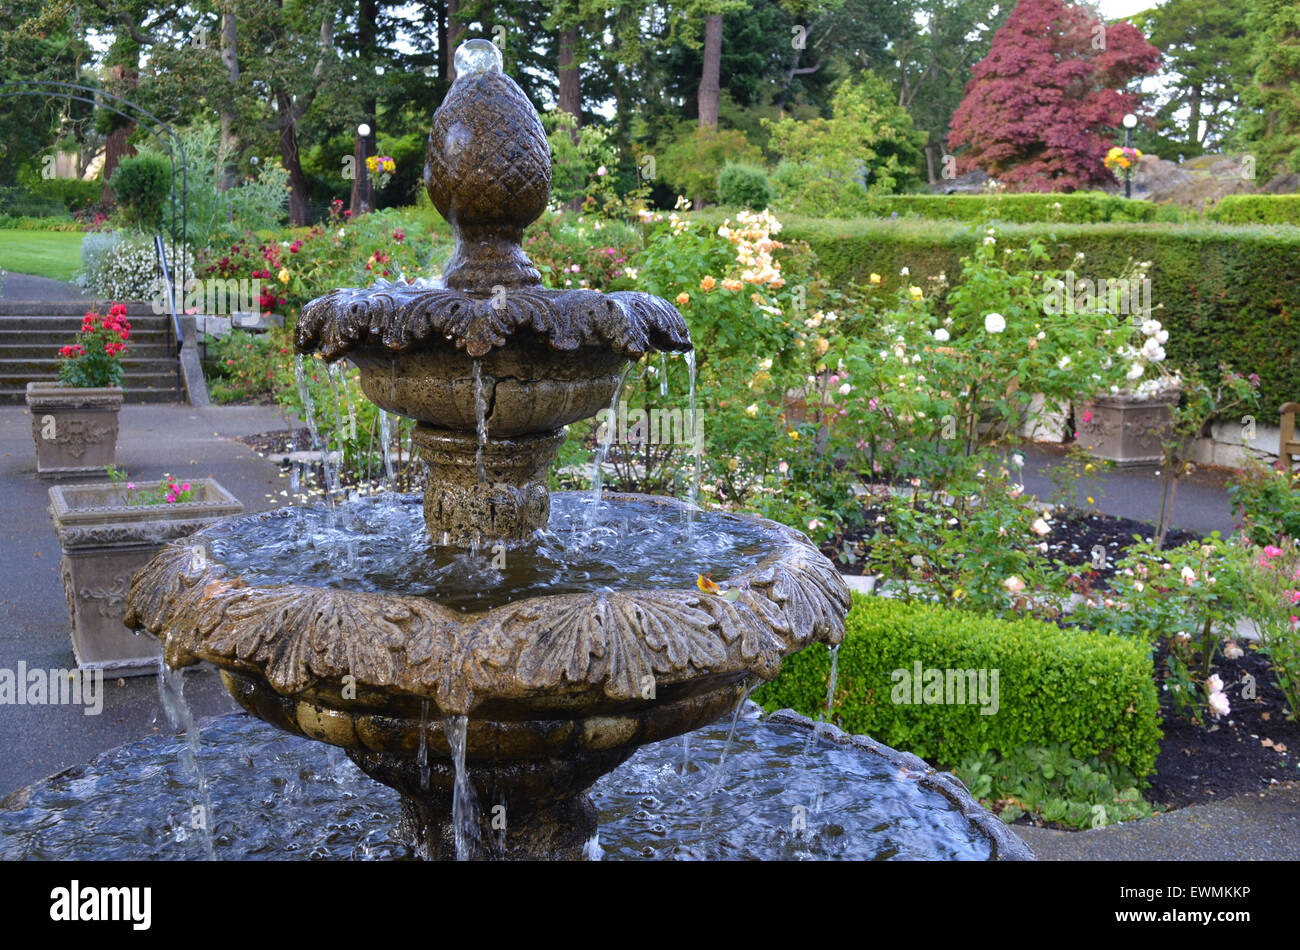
(787, 790)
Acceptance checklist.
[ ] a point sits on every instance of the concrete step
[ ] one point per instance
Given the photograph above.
(44, 323)
(32, 368)
(46, 351)
(71, 308)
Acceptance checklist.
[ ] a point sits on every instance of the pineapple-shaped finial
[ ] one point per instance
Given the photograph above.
(488, 172)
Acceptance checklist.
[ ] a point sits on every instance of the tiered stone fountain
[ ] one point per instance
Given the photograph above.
(526, 702)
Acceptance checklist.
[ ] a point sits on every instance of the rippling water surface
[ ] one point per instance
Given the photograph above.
(782, 795)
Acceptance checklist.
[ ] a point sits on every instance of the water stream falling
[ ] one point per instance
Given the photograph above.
(171, 692)
(722, 759)
(697, 448)
(830, 690)
(598, 467)
(386, 441)
(309, 412)
(464, 804)
(480, 421)
(332, 371)
(663, 373)
(422, 754)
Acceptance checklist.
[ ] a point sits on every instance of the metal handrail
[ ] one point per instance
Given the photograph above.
(171, 306)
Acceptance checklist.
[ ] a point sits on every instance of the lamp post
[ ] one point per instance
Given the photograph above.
(1130, 123)
(363, 130)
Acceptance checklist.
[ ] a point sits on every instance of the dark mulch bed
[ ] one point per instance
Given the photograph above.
(1227, 757)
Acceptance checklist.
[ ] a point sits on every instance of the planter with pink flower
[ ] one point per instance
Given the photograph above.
(74, 419)
(107, 532)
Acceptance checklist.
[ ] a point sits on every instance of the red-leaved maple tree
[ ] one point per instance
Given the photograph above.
(1041, 108)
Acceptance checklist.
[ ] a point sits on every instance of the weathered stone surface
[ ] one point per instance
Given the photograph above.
(105, 542)
(1125, 430)
(75, 430)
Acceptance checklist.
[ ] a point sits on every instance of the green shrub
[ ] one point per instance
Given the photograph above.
(1092, 691)
(1084, 207)
(1229, 295)
(1257, 209)
(142, 184)
(744, 186)
(1267, 502)
(690, 161)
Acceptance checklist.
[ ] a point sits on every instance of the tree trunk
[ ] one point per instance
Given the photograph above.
(229, 117)
(711, 75)
(288, 126)
(116, 146)
(570, 96)
(452, 38)
(1194, 122)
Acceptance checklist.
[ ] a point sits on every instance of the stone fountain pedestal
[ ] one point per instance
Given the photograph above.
(526, 704)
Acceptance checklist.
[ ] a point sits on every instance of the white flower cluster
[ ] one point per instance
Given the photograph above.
(1150, 352)
(118, 267)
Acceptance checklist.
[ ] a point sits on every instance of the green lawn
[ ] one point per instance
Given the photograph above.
(53, 254)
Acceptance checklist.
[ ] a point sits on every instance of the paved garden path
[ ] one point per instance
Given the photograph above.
(181, 440)
(1262, 826)
(28, 287)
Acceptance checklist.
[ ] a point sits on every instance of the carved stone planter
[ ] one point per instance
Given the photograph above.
(1125, 430)
(105, 542)
(75, 429)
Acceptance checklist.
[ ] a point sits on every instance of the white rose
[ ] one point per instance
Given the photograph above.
(845, 389)
(1014, 584)
(1063, 362)
(1135, 372)
(994, 323)
(1162, 337)
(1041, 527)
(941, 335)
(1151, 328)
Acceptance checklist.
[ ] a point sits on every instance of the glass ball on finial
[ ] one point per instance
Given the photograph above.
(477, 56)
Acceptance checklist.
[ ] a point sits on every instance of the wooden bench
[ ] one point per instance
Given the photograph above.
(1289, 443)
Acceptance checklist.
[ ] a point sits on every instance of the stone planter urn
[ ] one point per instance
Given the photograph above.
(1125, 430)
(75, 429)
(105, 541)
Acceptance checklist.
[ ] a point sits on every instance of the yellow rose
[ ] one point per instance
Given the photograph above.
(915, 293)
(875, 278)
(284, 275)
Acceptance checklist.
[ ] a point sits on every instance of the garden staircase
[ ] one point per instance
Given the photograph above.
(31, 333)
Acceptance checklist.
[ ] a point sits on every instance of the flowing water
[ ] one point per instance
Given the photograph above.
(697, 448)
(480, 422)
(632, 545)
(171, 692)
(830, 690)
(280, 796)
(464, 803)
(598, 463)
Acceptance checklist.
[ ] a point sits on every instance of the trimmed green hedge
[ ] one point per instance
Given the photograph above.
(1093, 691)
(1084, 207)
(1257, 209)
(1230, 294)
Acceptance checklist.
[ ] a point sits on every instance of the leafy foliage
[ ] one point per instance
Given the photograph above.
(1039, 109)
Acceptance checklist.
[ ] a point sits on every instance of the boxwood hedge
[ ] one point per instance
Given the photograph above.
(1257, 209)
(1083, 207)
(1093, 691)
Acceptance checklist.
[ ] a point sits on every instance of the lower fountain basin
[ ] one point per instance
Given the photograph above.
(276, 796)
